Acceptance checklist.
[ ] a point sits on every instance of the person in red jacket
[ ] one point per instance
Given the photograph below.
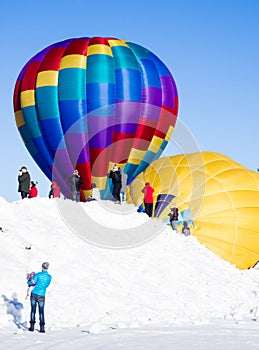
(148, 199)
(33, 189)
(54, 190)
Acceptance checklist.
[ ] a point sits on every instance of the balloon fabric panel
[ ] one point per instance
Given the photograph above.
(221, 195)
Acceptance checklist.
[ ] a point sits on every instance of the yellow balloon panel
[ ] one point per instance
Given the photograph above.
(222, 196)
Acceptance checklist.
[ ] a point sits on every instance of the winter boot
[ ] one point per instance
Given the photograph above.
(42, 328)
(31, 329)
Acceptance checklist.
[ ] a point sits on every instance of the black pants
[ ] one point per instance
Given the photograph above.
(149, 209)
(116, 190)
(24, 194)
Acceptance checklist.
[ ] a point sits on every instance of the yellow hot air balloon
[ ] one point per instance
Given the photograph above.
(221, 196)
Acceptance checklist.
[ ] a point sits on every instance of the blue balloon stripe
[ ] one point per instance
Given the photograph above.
(40, 160)
(149, 73)
(47, 102)
(30, 118)
(52, 128)
(72, 84)
(34, 130)
(164, 144)
(73, 116)
(31, 147)
(29, 114)
(100, 69)
(47, 170)
(148, 157)
(25, 133)
(124, 58)
(99, 96)
(158, 154)
(40, 144)
(139, 51)
(161, 67)
(141, 167)
(103, 112)
(130, 170)
(129, 85)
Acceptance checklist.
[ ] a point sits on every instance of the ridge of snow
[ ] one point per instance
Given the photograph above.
(170, 279)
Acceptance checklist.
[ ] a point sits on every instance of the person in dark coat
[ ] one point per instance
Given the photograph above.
(75, 182)
(173, 217)
(115, 175)
(24, 181)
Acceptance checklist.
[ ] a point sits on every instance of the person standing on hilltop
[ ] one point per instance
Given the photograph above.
(33, 189)
(115, 175)
(24, 181)
(173, 217)
(75, 182)
(54, 190)
(124, 178)
(186, 230)
(148, 199)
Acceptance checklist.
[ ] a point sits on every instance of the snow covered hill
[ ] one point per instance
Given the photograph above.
(171, 279)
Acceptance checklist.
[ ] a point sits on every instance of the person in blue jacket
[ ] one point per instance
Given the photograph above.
(41, 281)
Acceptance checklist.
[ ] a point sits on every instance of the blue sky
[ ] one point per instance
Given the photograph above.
(211, 48)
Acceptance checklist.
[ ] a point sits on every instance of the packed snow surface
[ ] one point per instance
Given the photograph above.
(171, 280)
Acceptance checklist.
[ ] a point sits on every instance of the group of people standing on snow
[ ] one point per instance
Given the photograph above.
(173, 218)
(28, 189)
(119, 181)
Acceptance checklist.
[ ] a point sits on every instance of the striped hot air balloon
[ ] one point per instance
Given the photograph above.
(85, 103)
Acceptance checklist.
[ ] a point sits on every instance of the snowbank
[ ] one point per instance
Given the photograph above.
(170, 279)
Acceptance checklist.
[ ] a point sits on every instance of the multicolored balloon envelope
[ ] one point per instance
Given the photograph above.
(88, 102)
(218, 195)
